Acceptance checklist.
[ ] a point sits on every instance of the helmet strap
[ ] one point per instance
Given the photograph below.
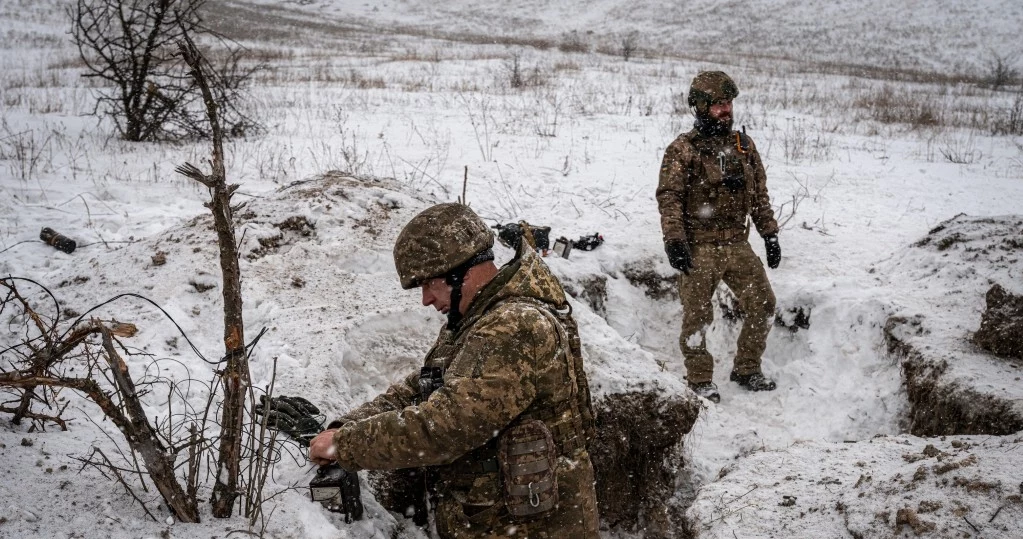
(456, 279)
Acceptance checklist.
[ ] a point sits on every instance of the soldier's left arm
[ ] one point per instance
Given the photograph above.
(489, 382)
(760, 208)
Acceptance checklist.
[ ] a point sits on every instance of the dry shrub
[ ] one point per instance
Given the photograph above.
(573, 42)
(890, 106)
(519, 76)
(1010, 120)
(356, 79)
(566, 65)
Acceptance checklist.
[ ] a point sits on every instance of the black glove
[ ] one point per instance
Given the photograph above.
(773, 251)
(589, 243)
(294, 416)
(734, 182)
(678, 255)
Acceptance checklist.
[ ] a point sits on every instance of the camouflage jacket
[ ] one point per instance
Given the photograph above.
(694, 202)
(509, 360)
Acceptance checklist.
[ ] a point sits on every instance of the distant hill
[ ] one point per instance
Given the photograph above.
(946, 36)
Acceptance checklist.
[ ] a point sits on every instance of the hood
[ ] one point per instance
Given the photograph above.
(525, 276)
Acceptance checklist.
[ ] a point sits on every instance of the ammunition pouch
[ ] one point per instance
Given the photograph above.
(528, 460)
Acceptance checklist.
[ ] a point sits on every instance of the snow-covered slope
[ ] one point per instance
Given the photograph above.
(418, 92)
(898, 486)
(943, 36)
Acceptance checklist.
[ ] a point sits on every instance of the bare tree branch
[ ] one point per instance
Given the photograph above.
(235, 374)
(132, 46)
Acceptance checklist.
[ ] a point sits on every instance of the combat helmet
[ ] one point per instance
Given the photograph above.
(442, 241)
(709, 87)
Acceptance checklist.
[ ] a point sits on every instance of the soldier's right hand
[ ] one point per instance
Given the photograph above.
(321, 448)
(678, 255)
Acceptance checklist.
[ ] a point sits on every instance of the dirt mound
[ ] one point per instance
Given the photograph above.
(955, 386)
(1001, 325)
(637, 457)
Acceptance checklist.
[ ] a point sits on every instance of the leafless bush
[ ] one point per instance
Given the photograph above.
(174, 451)
(803, 141)
(1010, 120)
(519, 77)
(1000, 71)
(629, 44)
(959, 149)
(481, 117)
(547, 111)
(132, 46)
(25, 151)
(349, 156)
(786, 211)
(43, 359)
(681, 117)
(356, 79)
(515, 78)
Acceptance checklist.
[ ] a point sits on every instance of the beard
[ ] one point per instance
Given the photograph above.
(712, 127)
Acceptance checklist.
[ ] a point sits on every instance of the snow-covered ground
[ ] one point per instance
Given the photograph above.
(411, 91)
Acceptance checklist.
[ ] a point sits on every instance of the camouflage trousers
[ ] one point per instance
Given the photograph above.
(743, 272)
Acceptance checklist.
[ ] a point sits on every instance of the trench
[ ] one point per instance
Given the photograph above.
(940, 408)
(843, 375)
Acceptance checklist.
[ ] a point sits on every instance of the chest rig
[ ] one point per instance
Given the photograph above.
(719, 187)
(521, 462)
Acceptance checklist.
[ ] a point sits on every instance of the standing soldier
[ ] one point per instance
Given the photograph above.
(500, 413)
(711, 179)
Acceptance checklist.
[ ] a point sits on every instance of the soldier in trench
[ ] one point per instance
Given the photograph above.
(712, 184)
(500, 413)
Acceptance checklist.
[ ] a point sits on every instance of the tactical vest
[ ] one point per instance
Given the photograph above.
(570, 421)
(714, 209)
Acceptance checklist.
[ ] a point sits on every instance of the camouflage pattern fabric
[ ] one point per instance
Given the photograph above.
(506, 362)
(743, 272)
(698, 208)
(694, 202)
(437, 240)
(709, 87)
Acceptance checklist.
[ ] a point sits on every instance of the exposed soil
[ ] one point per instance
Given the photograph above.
(1001, 325)
(939, 407)
(637, 457)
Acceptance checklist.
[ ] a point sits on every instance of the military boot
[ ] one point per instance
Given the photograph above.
(706, 390)
(753, 382)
